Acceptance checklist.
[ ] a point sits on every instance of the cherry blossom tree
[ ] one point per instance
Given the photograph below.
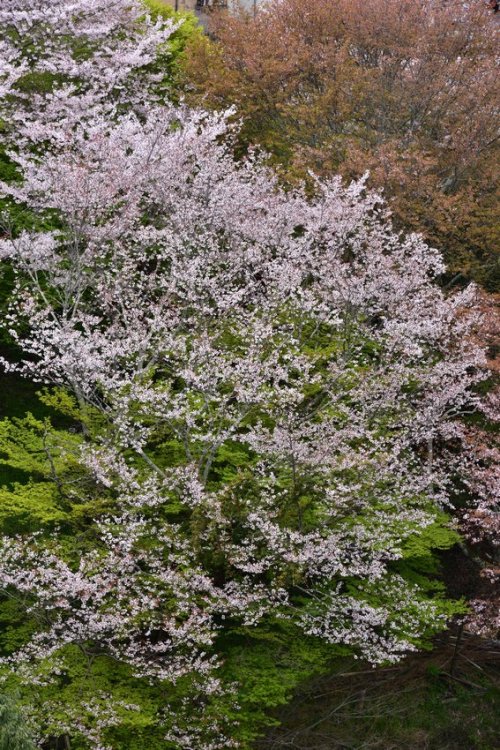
(63, 62)
(267, 383)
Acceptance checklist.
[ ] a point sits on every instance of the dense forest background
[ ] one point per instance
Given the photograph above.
(167, 180)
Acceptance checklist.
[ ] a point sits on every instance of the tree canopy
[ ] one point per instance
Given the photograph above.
(252, 401)
(406, 89)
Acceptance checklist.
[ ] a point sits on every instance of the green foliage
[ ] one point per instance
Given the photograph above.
(267, 665)
(421, 564)
(27, 507)
(42, 481)
(31, 445)
(45, 487)
(13, 733)
(188, 31)
(437, 536)
(15, 627)
(90, 680)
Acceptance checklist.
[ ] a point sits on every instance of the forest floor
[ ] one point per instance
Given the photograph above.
(446, 699)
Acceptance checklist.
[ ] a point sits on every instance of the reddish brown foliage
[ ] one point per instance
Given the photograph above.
(404, 88)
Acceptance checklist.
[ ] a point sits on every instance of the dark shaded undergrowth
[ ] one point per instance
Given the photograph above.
(448, 699)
